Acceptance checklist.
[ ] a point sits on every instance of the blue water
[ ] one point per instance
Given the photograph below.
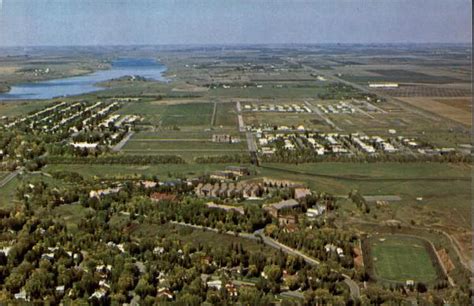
(72, 86)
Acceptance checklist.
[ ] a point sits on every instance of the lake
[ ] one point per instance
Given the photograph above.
(72, 86)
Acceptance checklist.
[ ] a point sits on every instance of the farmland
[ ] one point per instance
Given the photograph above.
(444, 108)
(232, 136)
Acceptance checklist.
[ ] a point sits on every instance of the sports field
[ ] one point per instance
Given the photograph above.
(402, 258)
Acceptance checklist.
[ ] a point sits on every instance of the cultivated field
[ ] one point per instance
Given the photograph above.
(445, 109)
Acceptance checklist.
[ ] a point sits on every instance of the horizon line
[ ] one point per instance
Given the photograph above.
(240, 44)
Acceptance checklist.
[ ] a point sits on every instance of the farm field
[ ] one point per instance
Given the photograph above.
(309, 121)
(445, 189)
(183, 114)
(442, 109)
(21, 108)
(402, 258)
(226, 115)
(188, 144)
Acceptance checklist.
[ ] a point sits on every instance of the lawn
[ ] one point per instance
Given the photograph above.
(402, 258)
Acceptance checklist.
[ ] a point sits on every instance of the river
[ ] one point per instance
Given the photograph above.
(71, 86)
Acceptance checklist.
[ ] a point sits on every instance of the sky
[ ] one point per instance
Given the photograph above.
(163, 22)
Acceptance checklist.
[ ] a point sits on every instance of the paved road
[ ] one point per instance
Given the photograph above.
(260, 236)
(252, 145)
(213, 118)
(320, 114)
(122, 142)
(353, 287)
(408, 107)
(8, 178)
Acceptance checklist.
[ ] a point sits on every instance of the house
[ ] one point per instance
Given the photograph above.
(238, 171)
(230, 190)
(98, 294)
(315, 212)
(148, 184)
(60, 289)
(231, 289)
(160, 196)
(276, 208)
(102, 192)
(227, 208)
(203, 190)
(165, 292)
(300, 193)
(222, 175)
(216, 284)
(84, 145)
(21, 295)
(383, 85)
(287, 219)
(222, 138)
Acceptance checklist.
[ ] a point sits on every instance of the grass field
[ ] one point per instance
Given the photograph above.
(10, 109)
(445, 189)
(187, 114)
(402, 258)
(226, 115)
(165, 114)
(442, 109)
(117, 171)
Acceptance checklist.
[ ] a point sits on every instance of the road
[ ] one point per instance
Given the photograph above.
(122, 142)
(353, 287)
(407, 107)
(213, 118)
(8, 178)
(320, 114)
(252, 146)
(260, 236)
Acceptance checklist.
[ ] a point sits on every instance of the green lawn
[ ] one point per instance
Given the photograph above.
(402, 258)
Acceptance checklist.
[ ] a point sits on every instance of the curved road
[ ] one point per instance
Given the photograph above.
(259, 235)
